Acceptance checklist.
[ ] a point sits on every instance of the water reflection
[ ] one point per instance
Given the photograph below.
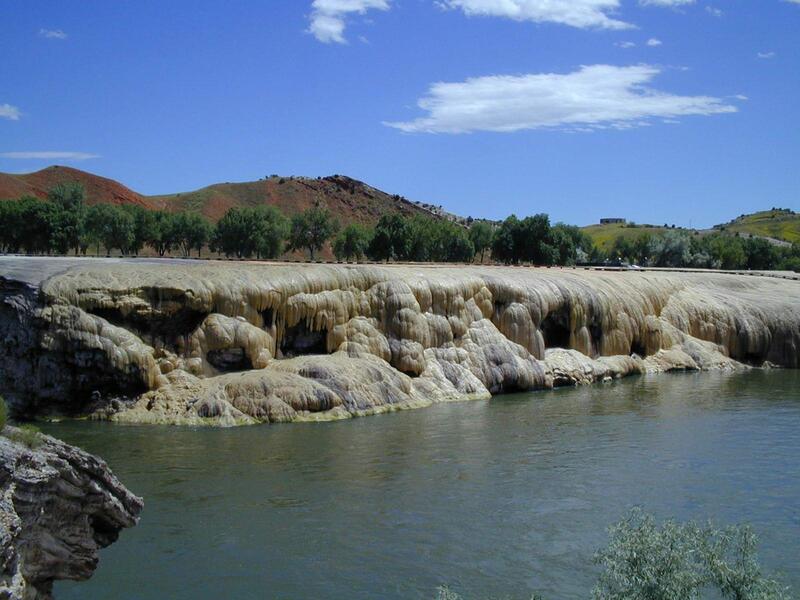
(497, 498)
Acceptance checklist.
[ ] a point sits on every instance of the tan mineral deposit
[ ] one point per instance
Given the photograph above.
(226, 343)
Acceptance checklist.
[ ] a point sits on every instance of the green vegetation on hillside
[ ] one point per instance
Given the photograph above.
(779, 223)
(604, 236)
(680, 249)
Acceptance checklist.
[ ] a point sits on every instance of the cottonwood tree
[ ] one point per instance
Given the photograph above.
(311, 229)
(352, 242)
(480, 233)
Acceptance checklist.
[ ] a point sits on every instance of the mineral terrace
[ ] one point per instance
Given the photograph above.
(191, 342)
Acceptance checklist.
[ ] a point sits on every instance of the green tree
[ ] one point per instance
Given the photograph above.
(36, 225)
(68, 219)
(570, 241)
(311, 229)
(191, 232)
(144, 222)
(670, 250)
(162, 233)
(728, 251)
(459, 247)
(533, 240)
(11, 220)
(503, 242)
(109, 226)
(352, 242)
(391, 239)
(480, 234)
(244, 232)
(623, 249)
(760, 254)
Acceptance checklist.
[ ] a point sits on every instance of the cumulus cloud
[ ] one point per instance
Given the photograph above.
(593, 97)
(625, 45)
(714, 12)
(9, 112)
(328, 17)
(53, 34)
(766, 55)
(48, 155)
(652, 42)
(576, 13)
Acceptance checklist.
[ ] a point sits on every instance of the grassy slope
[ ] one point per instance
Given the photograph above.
(604, 236)
(781, 225)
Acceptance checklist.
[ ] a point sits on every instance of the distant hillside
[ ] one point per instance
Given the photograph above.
(604, 236)
(779, 223)
(348, 199)
(98, 189)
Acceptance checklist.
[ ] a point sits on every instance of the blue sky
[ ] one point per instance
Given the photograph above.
(674, 111)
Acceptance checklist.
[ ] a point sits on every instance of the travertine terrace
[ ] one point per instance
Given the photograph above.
(237, 343)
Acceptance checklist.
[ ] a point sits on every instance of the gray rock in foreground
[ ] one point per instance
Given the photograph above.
(58, 506)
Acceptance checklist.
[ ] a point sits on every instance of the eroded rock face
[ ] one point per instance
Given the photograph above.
(58, 507)
(223, 343)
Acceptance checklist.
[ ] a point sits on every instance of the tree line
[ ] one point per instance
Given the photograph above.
(713, 251)
(66, 224)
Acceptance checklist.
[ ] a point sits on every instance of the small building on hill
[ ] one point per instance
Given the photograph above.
(613, 221)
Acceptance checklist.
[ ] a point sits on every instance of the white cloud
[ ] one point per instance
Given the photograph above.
(48, 155)
(714, 12)
(625, 45)
(652, 42)
(665, 2)
(9, 112)
(766, 55)
(593, 97)
(53, 34)
(576, 13)
(328, 17)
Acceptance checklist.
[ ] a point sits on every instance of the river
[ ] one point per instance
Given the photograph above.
(496, 498)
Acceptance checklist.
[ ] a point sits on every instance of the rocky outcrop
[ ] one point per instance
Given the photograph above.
(235, 343)
(58, 507)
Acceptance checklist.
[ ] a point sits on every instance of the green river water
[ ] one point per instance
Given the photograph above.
(497, 499)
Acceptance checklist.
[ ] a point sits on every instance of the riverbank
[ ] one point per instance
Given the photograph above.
(206, 342)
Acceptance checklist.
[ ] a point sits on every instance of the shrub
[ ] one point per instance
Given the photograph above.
(3, 413)
(676, 561)
(673, 561)
(646, 562)
(28, 435)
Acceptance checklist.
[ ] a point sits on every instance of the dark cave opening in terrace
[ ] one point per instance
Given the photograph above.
(229, 359)
(300, 340)
(555, 328)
